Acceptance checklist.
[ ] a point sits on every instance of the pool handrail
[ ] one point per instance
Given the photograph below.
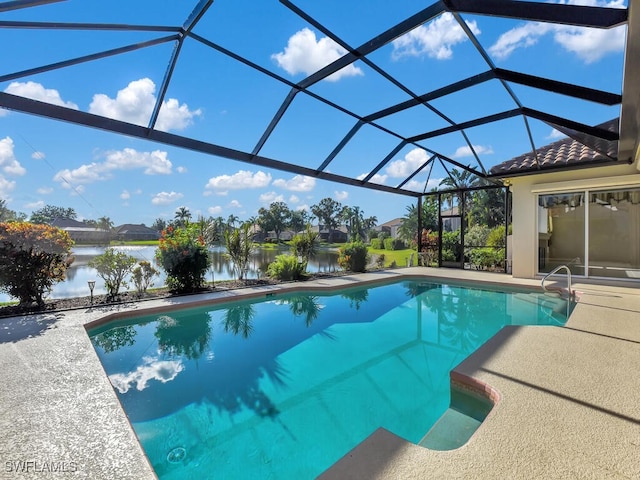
(555, 270)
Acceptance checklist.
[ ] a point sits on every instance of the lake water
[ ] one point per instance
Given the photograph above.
(221, 269)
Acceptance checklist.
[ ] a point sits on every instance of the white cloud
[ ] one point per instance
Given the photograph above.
(82, 175)
(299, 183)
(235, 204)
(589, 44)
(44, 190)
(240, 180)
(305, 207)
(181, 169)
(135, 102)
(8, 161)
(414, 185)
(520, 37)
(293, 199)
(36, 91)
(341, 195)
(77, 190)
(417, 185)
(35, 205)
(405, 167)
(465, 151)
(305, 54)
(217, 210)
(555, 134)
(125, 195)
(435, 39)
(166, 198)
(271, 197)
(38, 156)
(153, 369)
(153, 163)
(377, 178)
(6, 186)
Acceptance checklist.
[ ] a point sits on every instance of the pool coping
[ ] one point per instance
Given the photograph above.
(70, 420)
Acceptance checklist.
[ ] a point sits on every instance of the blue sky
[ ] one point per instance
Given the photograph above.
(217, 100)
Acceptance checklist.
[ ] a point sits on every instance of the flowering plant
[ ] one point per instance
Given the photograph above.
(33, 257)
(182, 253)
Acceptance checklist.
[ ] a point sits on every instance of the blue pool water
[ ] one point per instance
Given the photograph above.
(283, 386)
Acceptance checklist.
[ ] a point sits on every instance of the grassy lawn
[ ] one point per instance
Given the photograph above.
(399, 256)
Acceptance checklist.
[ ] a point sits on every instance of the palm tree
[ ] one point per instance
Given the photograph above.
(460, 180)
(182, 216)
(105, 224)
(232, 220)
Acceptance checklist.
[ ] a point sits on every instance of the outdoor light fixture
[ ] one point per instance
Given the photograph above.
(92, 283)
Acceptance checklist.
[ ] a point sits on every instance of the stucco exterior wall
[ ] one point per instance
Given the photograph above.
(525, 206)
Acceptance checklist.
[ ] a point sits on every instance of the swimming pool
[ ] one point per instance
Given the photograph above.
(281, 387)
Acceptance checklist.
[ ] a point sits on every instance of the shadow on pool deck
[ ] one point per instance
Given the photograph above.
(15, 329)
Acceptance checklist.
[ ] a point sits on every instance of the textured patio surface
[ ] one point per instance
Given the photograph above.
(569, 403)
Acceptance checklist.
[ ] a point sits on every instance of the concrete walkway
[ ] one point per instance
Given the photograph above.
(569, 404)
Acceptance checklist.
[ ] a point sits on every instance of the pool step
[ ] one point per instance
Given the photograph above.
(456, 425)
(451, 431)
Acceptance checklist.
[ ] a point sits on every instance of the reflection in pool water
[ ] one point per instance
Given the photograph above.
(283, 387)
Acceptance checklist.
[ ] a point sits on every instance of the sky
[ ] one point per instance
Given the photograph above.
(217, 100)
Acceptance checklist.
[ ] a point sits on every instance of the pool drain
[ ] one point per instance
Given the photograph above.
(176, 455)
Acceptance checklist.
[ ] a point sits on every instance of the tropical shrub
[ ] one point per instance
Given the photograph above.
(239, 249)
(496, 237)
(380, 261)
(305, 245)
(393, 244)
(483, 258)
(287, 268)
(113, 267)
(477, 235)
(376, 244)
(142, 274)
(183, 255)
(353, 257)
(32, 259)
(450, 246)
(430, 245)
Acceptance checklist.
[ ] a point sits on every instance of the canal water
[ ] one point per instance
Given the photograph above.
(80, 273)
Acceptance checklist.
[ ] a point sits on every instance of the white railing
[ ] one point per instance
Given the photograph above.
(555, 270)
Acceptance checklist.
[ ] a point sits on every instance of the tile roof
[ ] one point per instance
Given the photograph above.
(563, 153)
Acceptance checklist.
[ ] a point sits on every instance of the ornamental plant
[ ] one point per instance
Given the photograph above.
(142, 275)
(32, 259)
(287, 268)
(239, 248)
(353, 257)
(113, 267)
(183, 255)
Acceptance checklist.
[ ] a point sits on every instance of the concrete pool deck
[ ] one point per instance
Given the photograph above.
(569, 400)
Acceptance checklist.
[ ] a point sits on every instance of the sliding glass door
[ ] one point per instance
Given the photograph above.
(614, 233)
(561, 232)
(595, 233)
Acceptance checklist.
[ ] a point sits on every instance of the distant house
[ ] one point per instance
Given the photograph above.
(391, 227)
(259, 235)
(451, 219)
(132, 232)
(80, 232)
(338, 235)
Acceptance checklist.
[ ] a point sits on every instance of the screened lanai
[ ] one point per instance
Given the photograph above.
(387, 96)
